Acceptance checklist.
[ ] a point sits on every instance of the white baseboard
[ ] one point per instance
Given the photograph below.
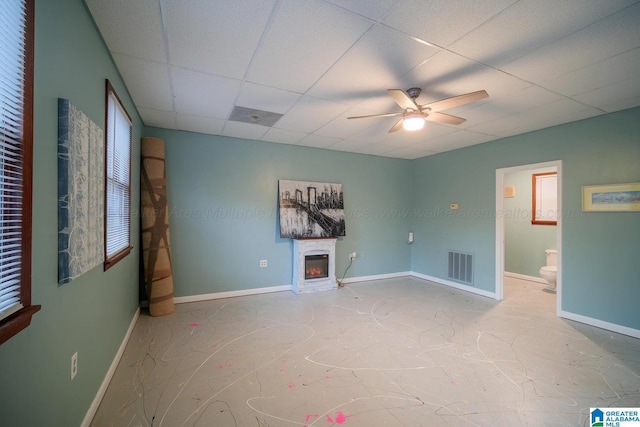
(376, 277)
(91, 412)
(229, 294)
(624, 330)
(525, 277)
(256, 291)
(459, 286)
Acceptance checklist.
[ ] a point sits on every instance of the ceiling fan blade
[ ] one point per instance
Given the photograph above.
(456, 101)
(396, 127)
(403, 100)
(444, 118)
(376, 115)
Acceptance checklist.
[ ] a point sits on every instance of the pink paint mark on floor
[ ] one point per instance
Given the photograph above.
(283, 371)
(291, 385)
(309, 416)
(340, 418)
(453, 382)
(195, 325)
(226, 365)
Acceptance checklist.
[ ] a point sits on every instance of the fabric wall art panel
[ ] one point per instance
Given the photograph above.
(80, 193)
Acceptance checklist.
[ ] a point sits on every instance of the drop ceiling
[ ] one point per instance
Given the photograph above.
(187, 64)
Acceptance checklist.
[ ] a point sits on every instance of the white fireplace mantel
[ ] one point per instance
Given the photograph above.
(304, 247)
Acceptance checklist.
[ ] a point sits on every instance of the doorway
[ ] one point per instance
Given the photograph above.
(500, 226)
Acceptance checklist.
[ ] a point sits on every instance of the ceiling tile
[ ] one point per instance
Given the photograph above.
(607, 97)
(378, 101)
(442, 21)
(147, 81)
(317, 62)
(404, 138)
(131, 27)
(621, 104)
(400, 138)
(448, 74)
(371, 129)
(318, 141)
(200, 124)
(458, 139)
(388, 54)
(293, 55)
(375, 149)
(203, 94)
(243, 130)
(283, 136)
(530, 97)
(410, 152)
(158, 118)
(310, 114)
(203, 39)
(529, 25)
(266, 98)
(348, 145)
(544, 115)
(603, 39)
(342, 127)
(601, 74)
(372, 9)
(482, 113)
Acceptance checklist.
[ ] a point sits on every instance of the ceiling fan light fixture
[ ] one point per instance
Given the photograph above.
(413, 121)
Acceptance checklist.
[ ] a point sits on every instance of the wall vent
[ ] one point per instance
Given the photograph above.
(461, 267)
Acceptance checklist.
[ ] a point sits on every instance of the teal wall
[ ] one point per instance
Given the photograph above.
(600, 274)
(524, 243)
(91, 314)
(223, 195)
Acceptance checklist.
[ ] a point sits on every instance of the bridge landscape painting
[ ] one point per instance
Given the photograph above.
(310, 209)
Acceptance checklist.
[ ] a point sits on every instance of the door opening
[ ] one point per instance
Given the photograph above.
(500, 225)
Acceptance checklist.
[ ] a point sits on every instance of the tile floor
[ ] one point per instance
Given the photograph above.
(396, 352)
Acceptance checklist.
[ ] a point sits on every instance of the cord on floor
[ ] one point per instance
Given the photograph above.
(340, 284)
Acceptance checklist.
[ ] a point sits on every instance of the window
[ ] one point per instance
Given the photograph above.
(16, 153)
(118, 180)
(544, 190)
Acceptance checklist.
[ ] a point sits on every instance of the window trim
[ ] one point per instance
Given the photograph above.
(18, 321)
(110, 261)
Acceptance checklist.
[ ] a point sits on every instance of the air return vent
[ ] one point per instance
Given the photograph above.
(253, 116)
(461, 267)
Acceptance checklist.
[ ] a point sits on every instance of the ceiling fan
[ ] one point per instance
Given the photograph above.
(414, 115)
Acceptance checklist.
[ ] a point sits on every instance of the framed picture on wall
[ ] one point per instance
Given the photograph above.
(310, 209)
(611, 198)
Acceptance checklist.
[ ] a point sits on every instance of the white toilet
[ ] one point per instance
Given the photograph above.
(550, 271)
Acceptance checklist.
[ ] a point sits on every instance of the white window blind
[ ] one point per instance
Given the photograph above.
(12, 72)
(118, 171)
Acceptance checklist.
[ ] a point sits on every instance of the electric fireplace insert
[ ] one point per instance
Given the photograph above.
(316, 266)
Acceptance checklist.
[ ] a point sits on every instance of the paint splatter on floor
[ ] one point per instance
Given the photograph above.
(388, 357)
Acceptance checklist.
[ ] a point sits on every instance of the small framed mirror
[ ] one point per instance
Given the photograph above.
(544, 209)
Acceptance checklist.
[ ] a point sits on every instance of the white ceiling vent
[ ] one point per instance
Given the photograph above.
(255, 117)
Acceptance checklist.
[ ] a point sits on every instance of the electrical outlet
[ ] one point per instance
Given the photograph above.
(74, 365)
(263, 263)
(352, 256)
